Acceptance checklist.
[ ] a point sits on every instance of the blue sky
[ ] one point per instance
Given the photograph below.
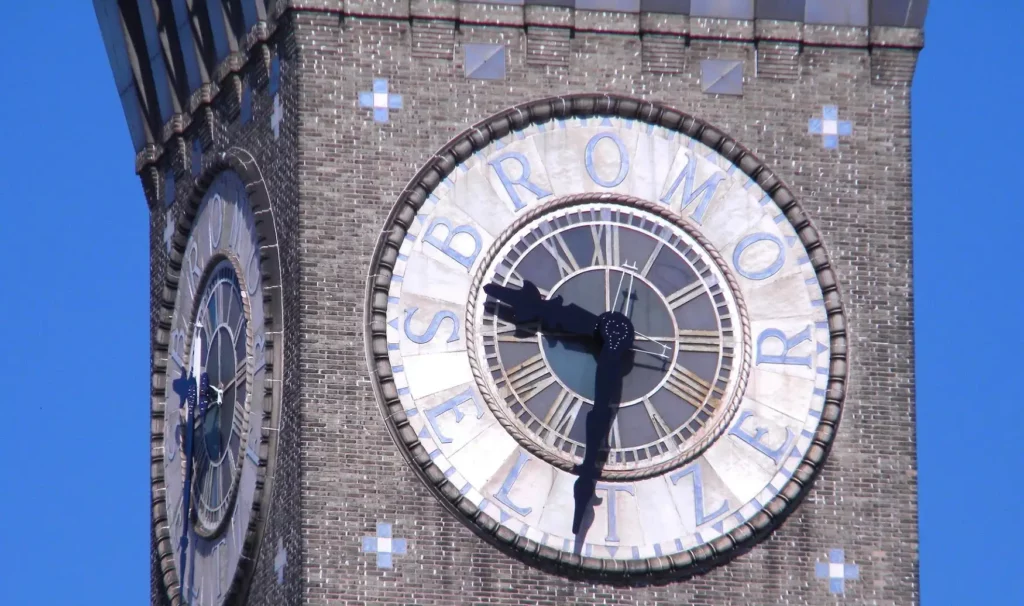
(74, 514)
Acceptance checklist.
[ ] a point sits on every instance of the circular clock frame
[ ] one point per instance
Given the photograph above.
(677, 565)
(706, 435)
(243, 164)
(213, 266)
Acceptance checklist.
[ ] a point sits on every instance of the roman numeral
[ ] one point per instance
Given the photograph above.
(514, 279)
(530, 377)
(660, 426)
(606, 245)
(687, 386)
(236, 418)
(562, 415)
(685, 294)
(699, 340)
(506, 333)
(651, 259)
(207, 484)
(614, 436)
(563, 257)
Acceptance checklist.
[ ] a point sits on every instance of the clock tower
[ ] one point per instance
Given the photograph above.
(527, 301)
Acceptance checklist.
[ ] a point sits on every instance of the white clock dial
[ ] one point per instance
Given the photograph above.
(724, 385)
(219, 335)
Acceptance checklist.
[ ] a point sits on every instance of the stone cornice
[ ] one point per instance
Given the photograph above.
(224, 90)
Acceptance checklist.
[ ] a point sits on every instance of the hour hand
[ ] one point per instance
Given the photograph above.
(528, 305)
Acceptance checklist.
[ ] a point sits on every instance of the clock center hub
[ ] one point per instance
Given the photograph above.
(646, 361)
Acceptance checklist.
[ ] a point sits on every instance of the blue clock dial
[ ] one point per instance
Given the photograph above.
(672, 377)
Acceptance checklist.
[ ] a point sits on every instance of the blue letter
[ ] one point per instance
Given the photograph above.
(788, 343)
(191, 267)
(698, 494)
(435, 323)
(767, 272)
(445, 245)
(687, 177)
(510, 481)
(523, 180)
(776, 455)
(623, 159)
(216, 221)
(252, 270)
(260, 349)
(611, 489)
(452, 405)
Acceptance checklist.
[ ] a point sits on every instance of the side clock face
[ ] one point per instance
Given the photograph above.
(609, 339)
(217, 349)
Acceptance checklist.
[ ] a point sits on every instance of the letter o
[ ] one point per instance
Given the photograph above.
(623, 159)
(760, 274)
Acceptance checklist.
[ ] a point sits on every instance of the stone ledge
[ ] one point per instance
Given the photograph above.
(505, 15)
(607, 22)
(434, 9)
(738, 30)
(779, 31)
(661, 23)
(897, 37)
(546, 20)
(835, 35)
(548, 16)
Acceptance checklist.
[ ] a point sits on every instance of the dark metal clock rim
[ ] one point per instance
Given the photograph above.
(439, 166)
(250, 338)
(741, 326)
(243, 164)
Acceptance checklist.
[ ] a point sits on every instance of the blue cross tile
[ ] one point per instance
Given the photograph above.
(830, 127)
(275, 75)
(380, 100)
(384, 545)
(837, 571)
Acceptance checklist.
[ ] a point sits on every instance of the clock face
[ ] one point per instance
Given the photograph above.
(490, 330)
(679, 385)
(222, 331)
(217, 331)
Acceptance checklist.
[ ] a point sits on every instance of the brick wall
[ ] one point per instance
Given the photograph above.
(334, 175)
(222, 128)
(350, 171)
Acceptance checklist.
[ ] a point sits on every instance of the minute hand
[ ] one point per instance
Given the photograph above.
(528, 306)
(616, 333)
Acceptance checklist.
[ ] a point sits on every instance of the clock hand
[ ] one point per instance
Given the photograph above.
(528, 305)
(616, 332)
(191, 401)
